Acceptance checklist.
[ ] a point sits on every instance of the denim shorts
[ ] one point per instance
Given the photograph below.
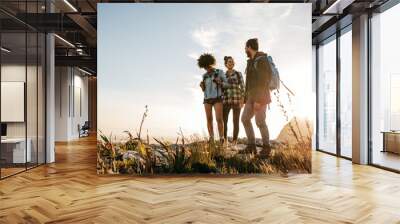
(212, 101)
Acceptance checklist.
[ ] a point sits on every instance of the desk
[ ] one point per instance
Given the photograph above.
(391, 141)
(13, 150)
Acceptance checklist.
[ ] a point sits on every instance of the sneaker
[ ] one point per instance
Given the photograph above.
(250, 149)
(266, 151)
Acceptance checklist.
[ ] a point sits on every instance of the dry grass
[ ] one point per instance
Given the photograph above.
(197, 155)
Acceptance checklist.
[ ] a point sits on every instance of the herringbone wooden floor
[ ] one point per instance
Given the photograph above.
(69, 191)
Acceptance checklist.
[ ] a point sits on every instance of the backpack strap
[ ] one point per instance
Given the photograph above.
(257, 59)
(237, 75)
(216, 73)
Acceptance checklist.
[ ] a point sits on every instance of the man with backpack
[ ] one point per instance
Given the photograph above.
(257, 96)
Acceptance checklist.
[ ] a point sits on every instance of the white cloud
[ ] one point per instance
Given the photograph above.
(287, 11)
(197, 78)
(205, 37)
(193, 55)
(221, 30)
(278, 27)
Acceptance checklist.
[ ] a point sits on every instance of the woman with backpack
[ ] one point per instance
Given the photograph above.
(212, 85)
(233, 97)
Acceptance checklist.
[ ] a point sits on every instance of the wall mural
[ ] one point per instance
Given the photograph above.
(205, 88)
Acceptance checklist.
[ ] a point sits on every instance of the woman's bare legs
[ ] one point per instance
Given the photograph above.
(218, 107)
(209, 116)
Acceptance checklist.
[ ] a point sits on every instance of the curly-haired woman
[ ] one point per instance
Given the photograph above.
(212, 85)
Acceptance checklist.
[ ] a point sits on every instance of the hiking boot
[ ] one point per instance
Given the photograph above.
(223, 142)
(266, 151)
(234, 142)
(250, 149)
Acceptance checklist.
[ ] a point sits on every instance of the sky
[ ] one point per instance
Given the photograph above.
(147, 55)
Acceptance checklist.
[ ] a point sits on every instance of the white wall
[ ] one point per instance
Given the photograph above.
(70, 83)
(12, 73)
(314, 86)
(79, 117)
(34, 125)
(62, 81)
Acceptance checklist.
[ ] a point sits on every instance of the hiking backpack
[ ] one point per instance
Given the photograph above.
(274, 84)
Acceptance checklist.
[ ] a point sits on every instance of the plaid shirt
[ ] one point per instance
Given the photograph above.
(234, 90)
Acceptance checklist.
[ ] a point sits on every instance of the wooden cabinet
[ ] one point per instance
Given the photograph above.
(391, 142)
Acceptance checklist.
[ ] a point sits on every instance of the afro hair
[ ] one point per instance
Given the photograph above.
(206, 60)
